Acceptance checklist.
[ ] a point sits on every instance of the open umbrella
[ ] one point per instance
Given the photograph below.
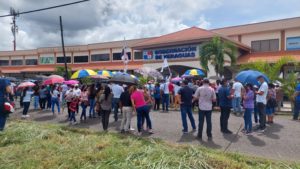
(148, 71)
(193, 72)
(53, 81)
(105, 73)
(124, 78)
(55, 76)
(71, 82)
(83, 73)
(26, 84)
(101, 77)
(176, 79)
(250, 76)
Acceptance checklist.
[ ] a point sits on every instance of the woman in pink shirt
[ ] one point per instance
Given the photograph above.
(83, 102)
(141, 108)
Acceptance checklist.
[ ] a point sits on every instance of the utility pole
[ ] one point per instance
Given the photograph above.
(14, 27)
(63, 48)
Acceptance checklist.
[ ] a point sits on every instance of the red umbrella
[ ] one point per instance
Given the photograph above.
(26, 84)
(71, 82)
(53, 81)
(54, 76)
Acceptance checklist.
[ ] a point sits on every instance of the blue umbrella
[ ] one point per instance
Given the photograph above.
(250, 76)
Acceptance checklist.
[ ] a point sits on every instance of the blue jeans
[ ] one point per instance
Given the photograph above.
(296, 110)
(83, 113)
(187, 110)
(25, 107)
(146, 117)
(36, 102)
(248, 119)
(236, 104)
(2, 122)
(270, 111)
(115, 104)
(72, 117)
(92, 107)
(54, 102)
(142, 112)
(165, 102)
(205, 115)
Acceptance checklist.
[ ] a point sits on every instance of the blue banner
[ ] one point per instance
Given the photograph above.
(177, 52)
(293, 43)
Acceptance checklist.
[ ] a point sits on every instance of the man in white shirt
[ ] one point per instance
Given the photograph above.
(261, 101)
(236, 101)
(117, 90)
(77, 91)
(164, 87)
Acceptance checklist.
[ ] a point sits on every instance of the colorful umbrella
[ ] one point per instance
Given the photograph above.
(250, 76)
(99, 77)
(176, 79)
(105, 73)
(55, 76)
(83, 73)
(193, 72)
(71, 82)
(26, 84)
(53, 81)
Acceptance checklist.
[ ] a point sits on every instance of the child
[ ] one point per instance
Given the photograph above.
(73, 109)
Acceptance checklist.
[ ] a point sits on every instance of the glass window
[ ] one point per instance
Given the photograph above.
(31, 61)
(4, 62)
(47, 60)
(16, 62)
(255, 46)
(100, 57)
(138, 55)
(118, 56)
(274, 45)
(81, 59)
(61, 59)
(265, 45)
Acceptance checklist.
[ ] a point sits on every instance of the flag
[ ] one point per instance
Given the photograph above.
(125, 56)
(165, 64)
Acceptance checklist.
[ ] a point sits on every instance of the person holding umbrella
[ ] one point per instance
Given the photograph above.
(261, 101)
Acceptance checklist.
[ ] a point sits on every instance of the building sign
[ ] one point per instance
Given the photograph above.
(47, 60)
(178, 52)
(293, 43)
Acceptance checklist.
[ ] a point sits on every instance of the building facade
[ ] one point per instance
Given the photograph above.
(268, 41)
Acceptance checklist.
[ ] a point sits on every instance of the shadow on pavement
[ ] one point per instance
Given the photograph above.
(233, 138)
(210, 144)
(188, 137)
(45, 118)
(256, 141)
(273, 128)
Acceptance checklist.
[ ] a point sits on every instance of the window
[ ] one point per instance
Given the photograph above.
(61, 59)
(4, 62)
(100, 57)
(138, 55)
(81, 59)
(31, 61)
(118, 56)
(16, 62)
(265, 45)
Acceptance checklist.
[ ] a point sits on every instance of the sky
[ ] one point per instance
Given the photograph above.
(108, 20)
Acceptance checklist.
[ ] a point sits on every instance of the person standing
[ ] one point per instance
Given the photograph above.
(279, 97)
(43, 97)
(171, 92)
(164, 87)
(48, 97)
(296, 97)
(68, 97)
(73, 109)
(146, 115)
(27, 93)
(83, 102)
(55, 95)
(271, 103)
(206, 96)
(261, 101)
(105, 101)
(157, 96)
(186, 98)
(249, 108)
(126, 106)
(117, 90)
(177, 98)
(5, 89)
(92, 101)
(140, 107)
(225, 106)
(237, 93)
(36, 96)
(77, 92)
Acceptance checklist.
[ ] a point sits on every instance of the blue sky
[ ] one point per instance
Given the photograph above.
(107, 20)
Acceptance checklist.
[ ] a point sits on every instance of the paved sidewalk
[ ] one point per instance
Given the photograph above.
(281, 140)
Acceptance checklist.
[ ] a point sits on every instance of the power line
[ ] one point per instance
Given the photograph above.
(42, 9)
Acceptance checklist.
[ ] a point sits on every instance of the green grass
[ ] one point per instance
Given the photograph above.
(34, 145)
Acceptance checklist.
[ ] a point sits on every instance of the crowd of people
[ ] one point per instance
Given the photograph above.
(99, 100)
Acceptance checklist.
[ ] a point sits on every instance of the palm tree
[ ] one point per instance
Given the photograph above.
(215, 52)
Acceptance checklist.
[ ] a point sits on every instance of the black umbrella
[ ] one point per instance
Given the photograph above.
(124, 78)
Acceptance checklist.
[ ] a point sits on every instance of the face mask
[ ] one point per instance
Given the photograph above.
(259, 82)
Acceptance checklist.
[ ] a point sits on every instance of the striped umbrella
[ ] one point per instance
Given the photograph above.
(193, 72)
(105, 73)
(83, 73)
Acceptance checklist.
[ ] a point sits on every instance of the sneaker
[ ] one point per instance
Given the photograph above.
(123, 131)
(150, 131)
(27, 115)
(131, 129)
(227, 132)
(23, 116)
(261, 131)
(243, 131)
(194, 130)
(184, 131)
(248, 133)
(75, 123)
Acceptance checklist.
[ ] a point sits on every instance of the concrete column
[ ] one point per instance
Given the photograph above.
(282, 40)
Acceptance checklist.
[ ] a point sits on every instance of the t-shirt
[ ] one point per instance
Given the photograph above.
(138, 98)
(125, 99)
(205, 95)
(55, 94)
(106, 103)
(157, 92)
(249, 100)
(176, 89)
(77, 92)
(117, 90)
(298, 90)
(186, 94)
(237, 87)
(171, 87)
(27, 97)
(164, 87)
(224, 93)
(43, 93)
(262, 98)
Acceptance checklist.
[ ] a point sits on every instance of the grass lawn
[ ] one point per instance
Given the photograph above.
(35, 145)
